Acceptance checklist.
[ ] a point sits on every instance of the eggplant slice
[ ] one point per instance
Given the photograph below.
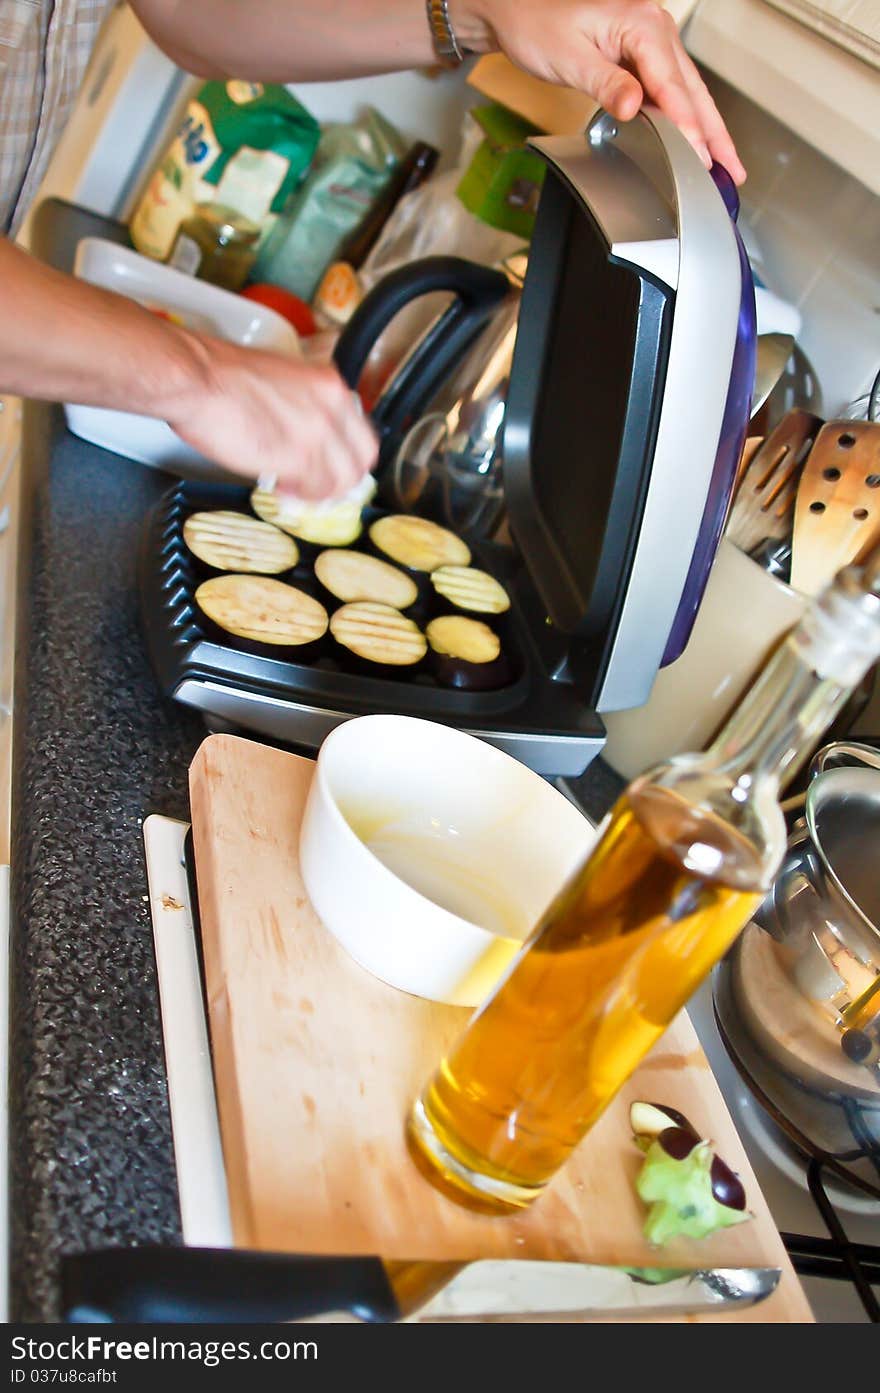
(379, 634)
(467, 588)
(354, 575)
(228, 541)
(261, 610)
(466, 653)
(323, 524)
(418, 543)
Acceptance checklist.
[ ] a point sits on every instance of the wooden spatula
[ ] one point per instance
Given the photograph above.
(763, 505)
(837, 510)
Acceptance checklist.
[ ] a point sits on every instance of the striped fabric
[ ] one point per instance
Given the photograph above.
(44, 49)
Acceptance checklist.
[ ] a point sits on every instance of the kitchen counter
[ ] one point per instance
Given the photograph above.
(96, 749)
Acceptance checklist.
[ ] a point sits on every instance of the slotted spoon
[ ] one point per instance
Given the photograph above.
(837, 512)
(763, 505)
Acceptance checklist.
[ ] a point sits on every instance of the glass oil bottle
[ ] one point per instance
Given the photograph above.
(684, 858)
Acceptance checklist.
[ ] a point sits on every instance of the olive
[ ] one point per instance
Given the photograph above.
(727, 1188)
(860, 1047)
(678, 1142)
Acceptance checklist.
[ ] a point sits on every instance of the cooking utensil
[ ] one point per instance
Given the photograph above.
(825, 901)
(773, 555)
(227, 1285)
(837, 513)
(763, 506)
(772, 353)
(814, 950)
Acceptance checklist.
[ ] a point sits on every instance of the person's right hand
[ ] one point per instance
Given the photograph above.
(621, 52)
(260, 413)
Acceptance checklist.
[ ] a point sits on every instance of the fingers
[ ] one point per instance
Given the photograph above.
(334, 446)
(612, 87)
(652, 50)
(718, 138)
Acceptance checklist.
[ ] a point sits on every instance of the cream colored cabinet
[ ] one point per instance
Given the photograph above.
(851, 24)
(822, 90)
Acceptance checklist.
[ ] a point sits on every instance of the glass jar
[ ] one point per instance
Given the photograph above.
(216, 244)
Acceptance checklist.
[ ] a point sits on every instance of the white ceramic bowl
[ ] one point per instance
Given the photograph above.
(203, 306)
(430, 855)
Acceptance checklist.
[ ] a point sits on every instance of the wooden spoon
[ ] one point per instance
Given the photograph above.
(837, 510)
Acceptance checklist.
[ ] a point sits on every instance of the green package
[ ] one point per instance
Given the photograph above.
(352, 166)
(502, 183)
(246, 145)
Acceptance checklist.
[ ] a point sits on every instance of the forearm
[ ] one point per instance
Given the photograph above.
(64, 340)
(302, 40)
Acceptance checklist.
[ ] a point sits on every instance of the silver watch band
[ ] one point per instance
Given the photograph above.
(446, 45)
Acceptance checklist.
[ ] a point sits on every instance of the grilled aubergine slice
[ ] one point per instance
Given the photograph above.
(355, 575)
(235, 542)
(263, 612)
(466, 588)
(378, 635)
(466, 653)
(321, 524)
(417, 543)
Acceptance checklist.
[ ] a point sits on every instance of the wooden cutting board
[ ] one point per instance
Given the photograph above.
(316, 1063)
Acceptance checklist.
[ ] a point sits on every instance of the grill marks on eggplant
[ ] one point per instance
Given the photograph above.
(229, 541)
(266, 614)
(378, 634)
(470, 589)
(262, 610)
(418, 543)
(353, 575)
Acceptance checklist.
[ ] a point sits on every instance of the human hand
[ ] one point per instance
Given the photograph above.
(265, 414)
(620, 52)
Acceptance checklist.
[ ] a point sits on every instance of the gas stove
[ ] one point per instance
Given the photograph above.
(785, 1176)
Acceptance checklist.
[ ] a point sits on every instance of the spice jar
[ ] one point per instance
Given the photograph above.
(216, 244)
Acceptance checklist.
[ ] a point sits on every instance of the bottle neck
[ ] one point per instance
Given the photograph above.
(802, 688)
(779, 722)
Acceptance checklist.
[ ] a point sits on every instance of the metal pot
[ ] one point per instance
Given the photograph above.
(808, 968)
(825, 904)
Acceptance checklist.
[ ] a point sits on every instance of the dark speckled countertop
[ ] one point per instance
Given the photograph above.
(97, 748)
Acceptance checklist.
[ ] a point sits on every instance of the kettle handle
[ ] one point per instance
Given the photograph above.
(478, 291)
(849, 752)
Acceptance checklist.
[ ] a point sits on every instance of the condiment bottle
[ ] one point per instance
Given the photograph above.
(216, 244)
(686, 855)
(412, 171)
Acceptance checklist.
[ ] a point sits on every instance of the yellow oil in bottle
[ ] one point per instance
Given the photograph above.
(662, 897)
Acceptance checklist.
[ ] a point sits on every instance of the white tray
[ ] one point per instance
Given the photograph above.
(205, 307)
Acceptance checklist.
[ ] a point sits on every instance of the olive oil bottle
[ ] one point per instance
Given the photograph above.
(684, 858)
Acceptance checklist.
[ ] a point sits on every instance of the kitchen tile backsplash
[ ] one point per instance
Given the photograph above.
(818, 233)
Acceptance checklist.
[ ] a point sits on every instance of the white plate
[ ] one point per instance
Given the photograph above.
(205, 307)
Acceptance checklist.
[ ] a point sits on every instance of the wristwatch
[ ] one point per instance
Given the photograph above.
(446, 46)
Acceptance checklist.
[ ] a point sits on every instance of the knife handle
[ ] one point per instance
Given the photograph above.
(219, 1286)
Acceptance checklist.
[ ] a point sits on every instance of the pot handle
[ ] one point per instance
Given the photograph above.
(848, 753)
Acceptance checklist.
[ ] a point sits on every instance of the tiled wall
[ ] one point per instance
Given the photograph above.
(818, 230)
